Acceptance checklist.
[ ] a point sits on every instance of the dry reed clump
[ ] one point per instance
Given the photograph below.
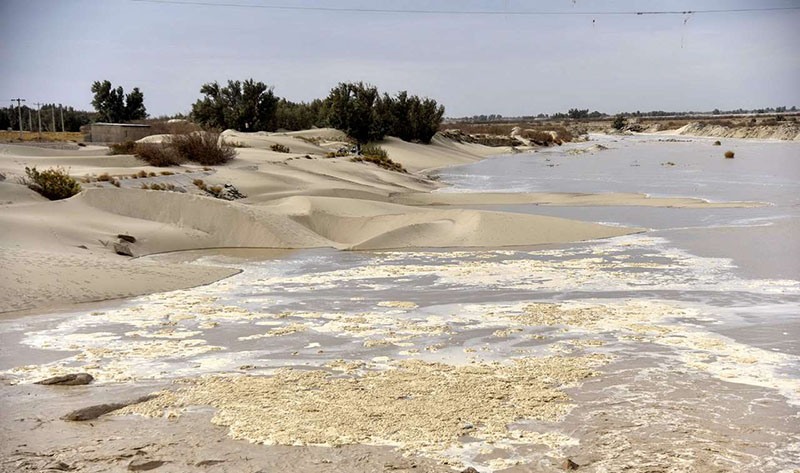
(126, 147)
(159, 187)
(376, 155)
(279, 148)
(203, 148)
(729, 154)
(539, 137)
(53, 183)
(157, 154)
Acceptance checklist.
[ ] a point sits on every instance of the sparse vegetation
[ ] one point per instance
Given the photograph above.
(619, 122)
(6, 136)
(200, 184)
(105, 177)
(539, 137)
(729, 154)
(202, 148)
(167, 173)
(157, 154)
(339, 153)
(717, 143)
(126, 147)
(158, 187)
(279, 148)
(53, 183)
(374, 154)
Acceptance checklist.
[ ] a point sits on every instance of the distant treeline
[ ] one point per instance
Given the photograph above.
(578, 114)
(73, 119)
(358, 109)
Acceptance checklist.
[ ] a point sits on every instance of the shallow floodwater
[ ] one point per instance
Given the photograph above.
(692, 329)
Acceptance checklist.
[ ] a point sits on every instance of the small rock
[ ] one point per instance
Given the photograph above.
(58, 466)
(469, 470)
(570, 465)
(73, 379)
(128, 238)
(123, 249)
(93, 412)
(144, 465)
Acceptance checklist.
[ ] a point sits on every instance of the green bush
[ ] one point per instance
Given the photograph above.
(277, 147)
(126, 147)
(157, 154)
(54, 183)
(619, 122)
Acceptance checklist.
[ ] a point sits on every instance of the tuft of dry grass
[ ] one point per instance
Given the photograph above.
(279, 148)
(46, 136)
(157, 154)
(729, 154)
(126, 147)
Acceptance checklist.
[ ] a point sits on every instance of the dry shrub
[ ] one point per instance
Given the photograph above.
(203, 148)
(340, 153)
(376, 155)
(717, 143)
(538, 137)
(53, 183)
(157, 154)
(729, 154)
(126, 147)
(104, 177)
(279, 148)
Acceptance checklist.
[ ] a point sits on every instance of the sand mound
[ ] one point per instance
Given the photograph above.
(785, 131)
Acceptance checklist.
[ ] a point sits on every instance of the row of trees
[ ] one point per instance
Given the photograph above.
(358, 109)
(73, 119)
(114, 106)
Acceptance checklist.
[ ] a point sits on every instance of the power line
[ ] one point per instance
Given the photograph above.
(462, 12)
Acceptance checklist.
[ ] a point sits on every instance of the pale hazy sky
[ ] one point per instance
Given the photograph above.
(52, 50)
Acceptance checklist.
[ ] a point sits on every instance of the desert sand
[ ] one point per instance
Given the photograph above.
(61, 252)
(421, 379)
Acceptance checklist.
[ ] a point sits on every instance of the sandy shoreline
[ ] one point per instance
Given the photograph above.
(59, 252)
(444, 345)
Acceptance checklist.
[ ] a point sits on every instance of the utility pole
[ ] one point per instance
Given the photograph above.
(53, 114)
(61, 109)
(19, 111)
(30, 120)
(39, 114)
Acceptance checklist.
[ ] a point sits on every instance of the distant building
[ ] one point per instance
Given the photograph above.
(118, 132)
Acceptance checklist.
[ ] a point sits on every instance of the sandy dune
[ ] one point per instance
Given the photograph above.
(55, 252)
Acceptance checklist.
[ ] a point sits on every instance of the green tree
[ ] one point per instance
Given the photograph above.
(619, 122)
(113, 106)
(241, 105)
(354, 108)
(576, 114)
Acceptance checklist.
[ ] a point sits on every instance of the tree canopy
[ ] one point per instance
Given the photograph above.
(113, 106)
(241, 105)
